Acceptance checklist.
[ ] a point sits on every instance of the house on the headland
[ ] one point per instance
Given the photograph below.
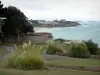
(54, 23)
(43, 22)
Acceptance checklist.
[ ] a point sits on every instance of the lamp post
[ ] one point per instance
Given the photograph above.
(1, 23)
(18, 32)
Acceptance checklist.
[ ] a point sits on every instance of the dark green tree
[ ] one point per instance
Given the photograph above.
(15, 21)
(2, 10)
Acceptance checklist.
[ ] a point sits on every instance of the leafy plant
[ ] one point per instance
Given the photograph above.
(79, 50)
(57, 47)
(26, 57)
(92, 47)
(60, 40)
(27, 61)
(52, 49)
(98, 51)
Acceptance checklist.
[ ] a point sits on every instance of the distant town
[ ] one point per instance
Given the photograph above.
(54, 23)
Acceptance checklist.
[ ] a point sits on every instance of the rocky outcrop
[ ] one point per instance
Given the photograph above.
(59, 24)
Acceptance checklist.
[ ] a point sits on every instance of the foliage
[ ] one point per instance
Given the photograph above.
(27, 57)
(92, 47)
(1, 7)
(58, 47)
(28, 62)
(79, 50)
(52, 49)
(98, 51)
(61, 40)
(2, 51)
(2, 10)
(15, 20)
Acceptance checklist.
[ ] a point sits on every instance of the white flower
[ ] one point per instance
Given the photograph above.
(24, 45)
(33, 46)
(29, 43)
(15, 46)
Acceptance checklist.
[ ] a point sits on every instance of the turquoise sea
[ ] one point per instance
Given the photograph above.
(86, 31)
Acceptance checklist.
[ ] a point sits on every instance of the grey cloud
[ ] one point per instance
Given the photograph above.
(27, 4)
(77, 9)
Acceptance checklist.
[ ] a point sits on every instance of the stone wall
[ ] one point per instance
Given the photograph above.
(39, 37)
(36, 39)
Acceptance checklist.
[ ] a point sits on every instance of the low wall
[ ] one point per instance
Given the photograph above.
(35, 39)
(12, 39)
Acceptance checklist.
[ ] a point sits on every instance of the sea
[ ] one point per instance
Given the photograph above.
(85, 31)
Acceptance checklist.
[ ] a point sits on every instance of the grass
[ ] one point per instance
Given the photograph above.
(63, 63)
(40, 43)
(43, 46)
(75, 62)
(2, 51)
(26, 56)
(46, 72)
(36, 46)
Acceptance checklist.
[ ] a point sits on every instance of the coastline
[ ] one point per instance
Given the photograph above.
(39, 28)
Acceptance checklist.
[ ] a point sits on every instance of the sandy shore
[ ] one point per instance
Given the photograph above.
(39, 28)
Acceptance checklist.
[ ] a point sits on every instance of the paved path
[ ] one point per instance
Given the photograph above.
(8, 51)
(54, 57)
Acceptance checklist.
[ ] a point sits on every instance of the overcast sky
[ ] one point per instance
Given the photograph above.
(58, 9)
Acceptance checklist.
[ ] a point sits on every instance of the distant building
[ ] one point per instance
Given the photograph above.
(41, 21)
(47, 22)
(63, 20)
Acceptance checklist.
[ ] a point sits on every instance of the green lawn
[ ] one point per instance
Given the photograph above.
(46, 72)
(76, 62)
(55, 63)
(2, 51)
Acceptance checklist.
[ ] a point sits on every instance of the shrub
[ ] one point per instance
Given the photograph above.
(27, 57)
(60, 40)
(79, 50)
(92, 47)
(98, 51)
(29, 62)
(55, 47)
(9, 60)
(52, 49)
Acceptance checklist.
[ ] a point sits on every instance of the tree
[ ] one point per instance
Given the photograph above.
(15, 21)
(2, 11)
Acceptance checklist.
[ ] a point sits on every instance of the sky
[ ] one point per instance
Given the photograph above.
(78, 10)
